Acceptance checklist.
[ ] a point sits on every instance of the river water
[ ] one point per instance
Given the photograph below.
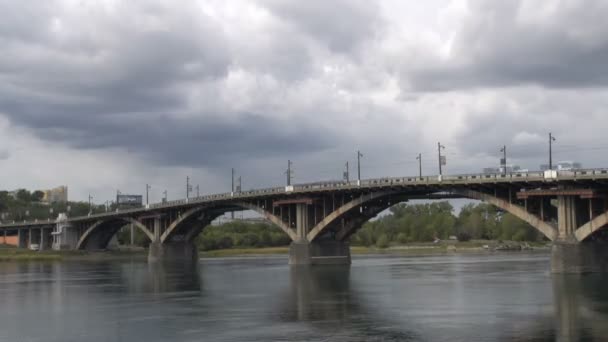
(488, 297)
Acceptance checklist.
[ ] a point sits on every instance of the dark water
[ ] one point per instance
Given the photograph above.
(500, 297)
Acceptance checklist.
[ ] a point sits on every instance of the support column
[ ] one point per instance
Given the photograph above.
(132, 234)
(29, 239)
(566, 218)
(171, 251)
(326, 252)
(302, 220)
(21, 238)
(568, 255)
(42, 239)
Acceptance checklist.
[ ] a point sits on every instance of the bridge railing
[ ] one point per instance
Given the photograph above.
(536, 176)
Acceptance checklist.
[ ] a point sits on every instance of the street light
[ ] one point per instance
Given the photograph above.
(442, 160)
(148, 187)
(359, 155)
(551, 140)
(289, 172)
(419, 159)
(164, 196)
(90, 205)
(188, 187)
(504, 159)
(346, 174)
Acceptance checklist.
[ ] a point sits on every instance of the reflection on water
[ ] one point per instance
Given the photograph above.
(510, 297)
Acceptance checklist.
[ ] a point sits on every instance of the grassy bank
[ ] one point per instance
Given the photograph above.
(412, 248)
(19, 254)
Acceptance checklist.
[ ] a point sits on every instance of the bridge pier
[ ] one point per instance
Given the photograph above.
(179, 251)
(319, 253)
(568, 254)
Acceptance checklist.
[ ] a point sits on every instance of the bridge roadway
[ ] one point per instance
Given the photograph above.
(567, 207)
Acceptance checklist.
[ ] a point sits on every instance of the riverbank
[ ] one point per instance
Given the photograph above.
(412, 248)
(19, 254)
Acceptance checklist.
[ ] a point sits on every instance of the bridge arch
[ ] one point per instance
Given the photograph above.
(514, 209)
(192, 222)
(321, 227)
(99, 234)
(588, 229)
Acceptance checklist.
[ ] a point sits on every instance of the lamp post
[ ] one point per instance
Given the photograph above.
(188, 187)
(165, 196)
(504, 159)
(289, 172)
(551, 140)
(419, 159)
(148, 187)
(441, 158)
(359, 155)
(346, 173)
(90, 205)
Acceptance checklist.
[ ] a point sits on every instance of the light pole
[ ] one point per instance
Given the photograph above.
(188, 187)
(90, 205)
(165, 196)
(419, 159)
(232, 179)
(197, 191)
(346, 174)
(551, 140)
(504, 159)
(289, 172)
(441, 158)
(359, 155)
(148, 187)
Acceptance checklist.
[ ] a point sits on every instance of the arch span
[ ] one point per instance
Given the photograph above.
(514, 209)
(586, 230)
(330, 219)
(188, 225)
(98, 235)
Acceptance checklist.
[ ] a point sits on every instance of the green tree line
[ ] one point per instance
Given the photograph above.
(426, 222)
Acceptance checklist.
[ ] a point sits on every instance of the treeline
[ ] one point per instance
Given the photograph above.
(26, 205)
(241, 234)
(426, 222)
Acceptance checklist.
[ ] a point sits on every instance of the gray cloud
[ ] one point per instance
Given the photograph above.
(342, 25)
(554, 45)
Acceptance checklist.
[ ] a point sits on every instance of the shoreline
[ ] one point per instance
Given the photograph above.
(18, 254)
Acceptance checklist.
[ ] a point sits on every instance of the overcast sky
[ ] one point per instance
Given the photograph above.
(105, 95)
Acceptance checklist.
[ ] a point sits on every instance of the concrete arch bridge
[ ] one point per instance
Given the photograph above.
(569, 208)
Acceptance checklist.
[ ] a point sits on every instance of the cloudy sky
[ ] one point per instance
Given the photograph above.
(106, 95)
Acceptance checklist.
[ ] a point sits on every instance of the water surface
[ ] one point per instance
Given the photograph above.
(490, 297)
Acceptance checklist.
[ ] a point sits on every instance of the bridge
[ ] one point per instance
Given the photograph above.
(569, 208)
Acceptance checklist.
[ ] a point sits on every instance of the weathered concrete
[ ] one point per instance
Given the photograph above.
(181, 252)
(319, 253)
(585, 257)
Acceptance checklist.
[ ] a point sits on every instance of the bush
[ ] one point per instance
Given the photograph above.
(463, 236)
(382, 241)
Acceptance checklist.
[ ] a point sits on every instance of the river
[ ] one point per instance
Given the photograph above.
(488, 297)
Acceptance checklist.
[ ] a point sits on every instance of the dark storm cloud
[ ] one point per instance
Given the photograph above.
(506, 43)
(123, 86)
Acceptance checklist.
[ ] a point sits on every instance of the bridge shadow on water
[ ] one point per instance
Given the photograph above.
(323, 298)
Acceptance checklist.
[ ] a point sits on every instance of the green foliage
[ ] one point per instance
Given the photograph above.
(241, 234)
(382, 241)
(425, 222)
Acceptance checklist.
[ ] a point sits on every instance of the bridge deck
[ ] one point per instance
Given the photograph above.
(436, 183)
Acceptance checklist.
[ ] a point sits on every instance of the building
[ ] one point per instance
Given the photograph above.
(501, 169)
(563, 166)
(56, 195)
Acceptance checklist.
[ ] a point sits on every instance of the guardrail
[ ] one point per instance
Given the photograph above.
(534, 176)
